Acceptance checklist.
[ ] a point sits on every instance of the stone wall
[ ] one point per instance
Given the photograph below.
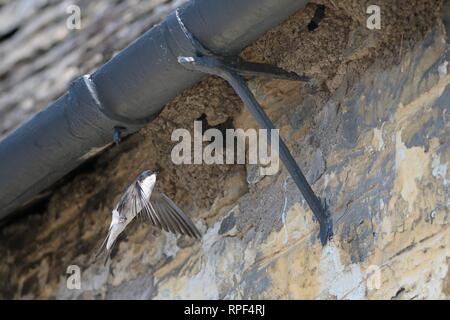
(372, 138)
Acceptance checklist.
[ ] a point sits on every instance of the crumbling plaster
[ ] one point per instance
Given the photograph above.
(372, 137)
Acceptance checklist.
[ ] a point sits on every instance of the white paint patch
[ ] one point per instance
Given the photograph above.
(439, 170)
(442, 69)
(411, 165)
(378, 138)
(337, 280)
(170, 248)
(401, 153)
(211, 236)
(327, 178)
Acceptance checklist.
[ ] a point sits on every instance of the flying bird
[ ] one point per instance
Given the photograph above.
(139, 199)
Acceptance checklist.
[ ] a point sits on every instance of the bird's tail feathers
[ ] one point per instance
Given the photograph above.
(103, 249)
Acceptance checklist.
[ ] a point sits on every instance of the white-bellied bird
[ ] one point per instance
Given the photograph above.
(140, 198)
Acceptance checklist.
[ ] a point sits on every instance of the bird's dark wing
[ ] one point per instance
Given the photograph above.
(165, 214)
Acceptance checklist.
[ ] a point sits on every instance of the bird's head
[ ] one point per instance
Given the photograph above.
(147, 174)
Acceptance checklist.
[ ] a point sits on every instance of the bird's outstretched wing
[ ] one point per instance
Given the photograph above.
(165, 214)
(129, 202)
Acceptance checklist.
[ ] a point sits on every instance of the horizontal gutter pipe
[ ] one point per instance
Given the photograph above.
(128, 91)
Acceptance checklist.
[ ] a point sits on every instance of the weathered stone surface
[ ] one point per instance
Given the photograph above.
(372, 138)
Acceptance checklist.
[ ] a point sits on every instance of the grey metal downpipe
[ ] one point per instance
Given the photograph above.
(128, 91)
